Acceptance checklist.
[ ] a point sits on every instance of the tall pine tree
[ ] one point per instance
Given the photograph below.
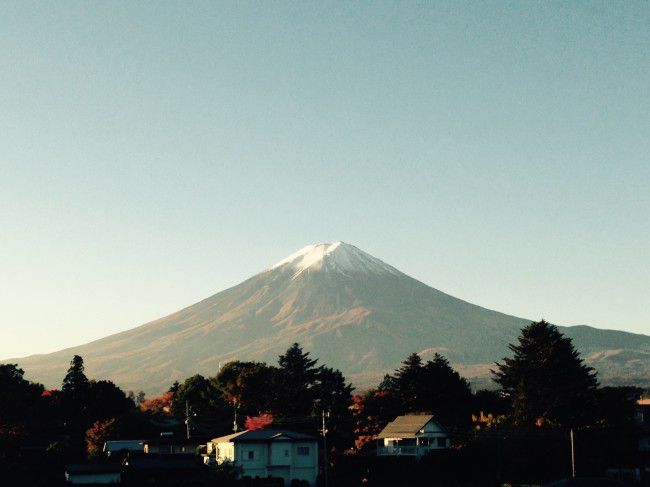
(76, 389)
(408, 383)
(546, 379)
(297, 374)
(445, 393)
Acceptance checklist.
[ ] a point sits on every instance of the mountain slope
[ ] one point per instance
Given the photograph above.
(351, 310)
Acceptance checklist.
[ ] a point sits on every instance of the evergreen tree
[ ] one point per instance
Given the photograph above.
(75, 382)
(334, 397)
(297, 374)
(445, 393)
(546, 379)
(75, 391)
(408, 383)
(387, 383)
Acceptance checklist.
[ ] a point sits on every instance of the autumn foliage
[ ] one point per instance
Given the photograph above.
(258, 422)
(97, 435)
(161, 404)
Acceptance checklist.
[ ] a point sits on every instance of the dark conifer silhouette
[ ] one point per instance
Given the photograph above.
(75, 389)
(75, 382)
(297, 374)
(546, 379)
(408, 382)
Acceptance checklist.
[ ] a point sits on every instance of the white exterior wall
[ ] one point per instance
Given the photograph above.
(225, 452)
(278, 458)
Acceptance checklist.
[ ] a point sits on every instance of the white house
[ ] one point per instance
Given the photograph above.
(412, 435)
(269, 453)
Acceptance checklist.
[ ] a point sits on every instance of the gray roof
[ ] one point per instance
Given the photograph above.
(405, 426)
(263, 435)
(116, 445)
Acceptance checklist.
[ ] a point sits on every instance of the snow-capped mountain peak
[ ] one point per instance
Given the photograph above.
(337, 256)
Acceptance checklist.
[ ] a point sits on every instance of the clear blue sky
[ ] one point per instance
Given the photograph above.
(154, 153)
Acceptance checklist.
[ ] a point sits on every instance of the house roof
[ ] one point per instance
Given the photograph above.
(116, 445)
(405, 426)
(263, 435)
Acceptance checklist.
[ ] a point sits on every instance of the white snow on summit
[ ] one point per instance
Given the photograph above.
(337, 256)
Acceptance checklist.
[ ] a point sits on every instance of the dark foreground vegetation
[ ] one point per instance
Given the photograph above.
(519, 433)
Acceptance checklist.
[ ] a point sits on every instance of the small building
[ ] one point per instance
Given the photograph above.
(170, 445)
(412, 435)
(93, 474)
(113, 447)
(270, 453)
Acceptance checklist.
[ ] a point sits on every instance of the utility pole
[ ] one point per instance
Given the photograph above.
(187, 419)
(234, 423)
(325, 456)
(573, 456)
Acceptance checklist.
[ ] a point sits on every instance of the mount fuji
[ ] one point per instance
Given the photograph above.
(351, 310)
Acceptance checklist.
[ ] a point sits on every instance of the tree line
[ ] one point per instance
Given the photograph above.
(543, 384)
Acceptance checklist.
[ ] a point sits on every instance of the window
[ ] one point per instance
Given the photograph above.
(442, 442)
(250, 454)
(286, 453)
(303, 451)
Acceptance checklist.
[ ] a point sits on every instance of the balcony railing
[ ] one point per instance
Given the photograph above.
(406, 450)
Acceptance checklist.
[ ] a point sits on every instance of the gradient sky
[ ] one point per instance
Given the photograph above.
(154, 153)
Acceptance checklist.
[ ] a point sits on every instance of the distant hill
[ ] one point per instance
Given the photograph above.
(348, 308)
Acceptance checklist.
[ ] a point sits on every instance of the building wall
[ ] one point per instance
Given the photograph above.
(225, 452)
(259, 460)
(281, 453)
(280, 458)
(169, 449)
(433, 427)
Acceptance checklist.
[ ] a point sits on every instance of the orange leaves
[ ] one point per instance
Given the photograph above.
(258, 422)
(157, 405)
